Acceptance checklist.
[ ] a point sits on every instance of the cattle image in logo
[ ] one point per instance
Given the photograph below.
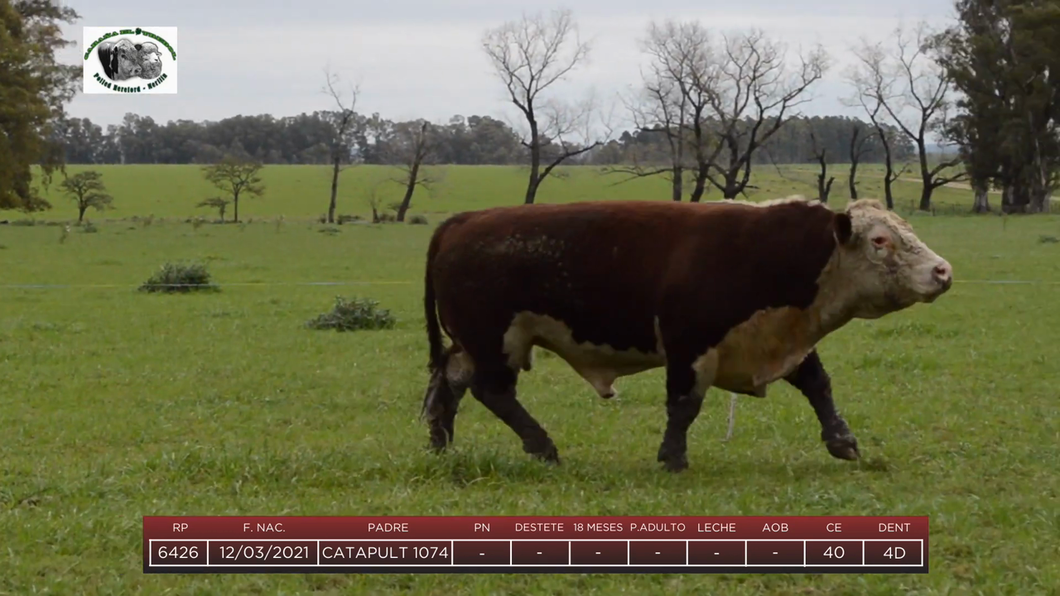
(731, 295)
(150, 60)
(122, 59)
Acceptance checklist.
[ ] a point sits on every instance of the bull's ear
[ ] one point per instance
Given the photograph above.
(844, 229)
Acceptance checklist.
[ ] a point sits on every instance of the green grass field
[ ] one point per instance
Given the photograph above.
(118, 404)
(302, 192)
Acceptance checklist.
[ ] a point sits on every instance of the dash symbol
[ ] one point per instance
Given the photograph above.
(597, 552)
(774, 552)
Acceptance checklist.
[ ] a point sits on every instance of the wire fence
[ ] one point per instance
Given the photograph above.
(208, 285)
(1030, 282)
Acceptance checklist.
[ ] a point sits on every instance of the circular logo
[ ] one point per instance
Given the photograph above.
(130, 61)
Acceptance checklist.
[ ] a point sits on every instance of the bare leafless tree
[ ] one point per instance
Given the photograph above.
(873, 86)
(918, 101)
(343, 122)
(925, 92)
(672, 101)
(414, 143)
(756, 94)
(820, 155)
(735, 95)
(530, 56)
(859, 147)
(656, 110)
(373, 196)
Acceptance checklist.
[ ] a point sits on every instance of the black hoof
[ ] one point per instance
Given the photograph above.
(440, 440)
(548, 454)
(843, 447)
(672, 462)
(676, 465)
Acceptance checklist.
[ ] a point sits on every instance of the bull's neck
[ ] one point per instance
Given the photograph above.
(836, 300)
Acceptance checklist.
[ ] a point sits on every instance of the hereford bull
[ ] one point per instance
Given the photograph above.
(729, 295)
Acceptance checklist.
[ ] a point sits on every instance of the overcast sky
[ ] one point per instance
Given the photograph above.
(422, 58)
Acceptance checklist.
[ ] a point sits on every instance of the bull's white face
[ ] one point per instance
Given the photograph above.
(128, 59)
(886, 266)
(150, 61)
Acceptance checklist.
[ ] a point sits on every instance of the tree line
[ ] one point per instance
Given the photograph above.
(709, 109)
(476, 140)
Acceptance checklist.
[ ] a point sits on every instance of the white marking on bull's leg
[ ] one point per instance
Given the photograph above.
(444, 393)
(518, 343)
(659, 348)
(459, 370)
(706, 369)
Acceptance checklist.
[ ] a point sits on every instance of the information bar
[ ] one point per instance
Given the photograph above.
(524, 544)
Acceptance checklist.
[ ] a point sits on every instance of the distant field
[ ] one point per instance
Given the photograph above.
(302, 192)
(117, 404)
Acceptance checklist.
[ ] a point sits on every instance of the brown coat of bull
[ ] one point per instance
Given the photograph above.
(730, 295)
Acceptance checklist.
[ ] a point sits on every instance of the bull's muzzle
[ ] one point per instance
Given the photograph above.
(942, 275)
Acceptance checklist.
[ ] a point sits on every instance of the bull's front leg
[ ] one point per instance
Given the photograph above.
(686, 385)
(811, 379)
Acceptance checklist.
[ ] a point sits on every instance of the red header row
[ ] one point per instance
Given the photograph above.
(528, 527)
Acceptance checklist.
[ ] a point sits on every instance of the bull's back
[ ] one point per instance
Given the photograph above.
(599, 269)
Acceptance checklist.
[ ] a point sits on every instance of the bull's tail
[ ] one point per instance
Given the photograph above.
(438, 355)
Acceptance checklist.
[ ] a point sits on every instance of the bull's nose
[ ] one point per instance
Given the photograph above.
(943, 274)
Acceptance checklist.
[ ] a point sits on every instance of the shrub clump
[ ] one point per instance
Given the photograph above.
(418, 220)
(180, 277)
(352, 315)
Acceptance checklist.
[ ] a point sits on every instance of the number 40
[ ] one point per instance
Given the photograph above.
(836, 552)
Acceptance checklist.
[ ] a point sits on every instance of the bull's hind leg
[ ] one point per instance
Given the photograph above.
(687, 382)
(811, 379)
(494, 386)
(444, 392)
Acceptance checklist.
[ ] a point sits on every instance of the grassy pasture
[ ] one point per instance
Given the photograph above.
(118, 404)
(302, 192)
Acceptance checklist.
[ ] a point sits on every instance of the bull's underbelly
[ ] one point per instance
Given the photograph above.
(752, 355)
(599, 365)
(752, 373)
